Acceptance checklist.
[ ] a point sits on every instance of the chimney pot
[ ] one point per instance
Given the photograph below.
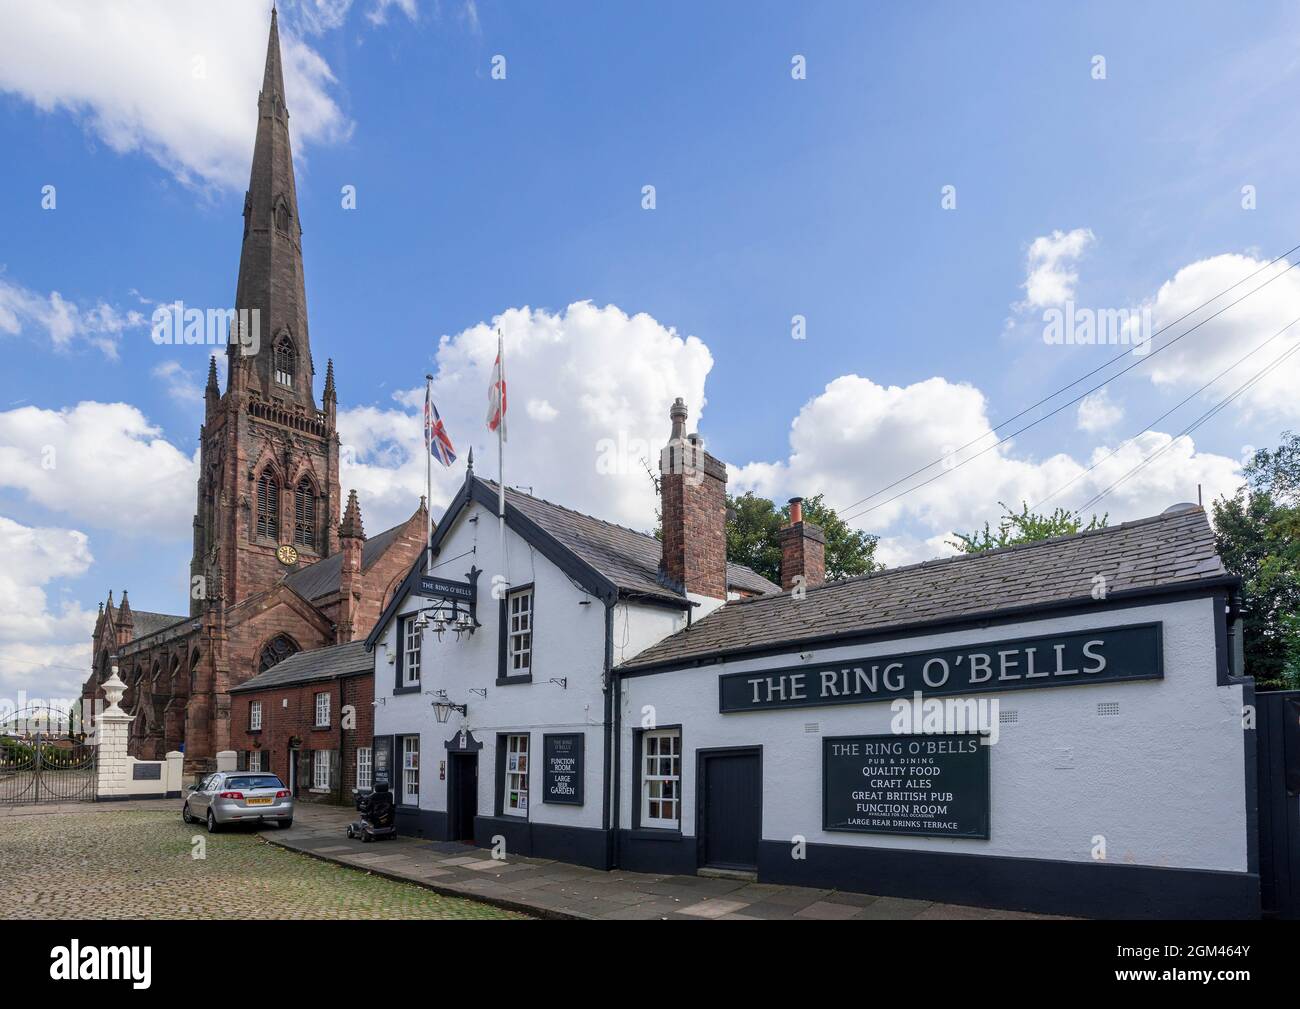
(796, 510)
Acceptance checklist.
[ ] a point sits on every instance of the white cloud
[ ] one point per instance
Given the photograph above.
(102, 464)
(1195, 359)
(378, 14)
(43, 648)
(542, 411)
(176, 81)
(1051, 276)
(181, 385)
(616, 375)
(856, 436)
(1097, 412)
(52, 317)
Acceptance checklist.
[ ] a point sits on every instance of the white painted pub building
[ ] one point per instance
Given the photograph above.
(1072, 740)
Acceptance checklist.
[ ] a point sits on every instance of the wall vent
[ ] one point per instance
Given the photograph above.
(1008, 716)
(812, 727)
(1107, 708)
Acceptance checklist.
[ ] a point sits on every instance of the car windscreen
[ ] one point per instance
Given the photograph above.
(251, 781)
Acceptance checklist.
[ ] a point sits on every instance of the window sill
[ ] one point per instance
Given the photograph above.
(320, 728)
(506, 681)
(253, 732)
(415, 689)
(321, 791)
(655, 833)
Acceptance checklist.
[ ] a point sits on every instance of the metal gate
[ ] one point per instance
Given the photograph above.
(1278, 750)
(44, 758)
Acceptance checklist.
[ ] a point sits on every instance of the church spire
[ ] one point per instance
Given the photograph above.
(277, 363)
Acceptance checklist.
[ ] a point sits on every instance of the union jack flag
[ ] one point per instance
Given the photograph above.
(435, 435)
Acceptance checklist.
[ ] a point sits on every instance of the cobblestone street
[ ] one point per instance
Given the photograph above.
(98, 861)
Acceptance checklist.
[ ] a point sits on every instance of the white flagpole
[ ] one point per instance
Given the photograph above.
(428, 474)
(501, 452)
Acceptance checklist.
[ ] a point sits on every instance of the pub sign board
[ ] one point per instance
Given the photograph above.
(444, 588)
(562, 770)
(1108, 655)
(926, 786)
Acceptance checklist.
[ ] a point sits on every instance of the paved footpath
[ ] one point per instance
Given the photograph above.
(136, 860)
(551, 889)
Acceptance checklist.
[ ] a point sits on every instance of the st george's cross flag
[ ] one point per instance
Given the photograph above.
(496, 415)
(436, 439)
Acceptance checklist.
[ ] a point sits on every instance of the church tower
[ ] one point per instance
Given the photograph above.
(268, 494)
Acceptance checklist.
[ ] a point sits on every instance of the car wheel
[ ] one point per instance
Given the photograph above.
(213, 827)
(185, 814)
(286, 824)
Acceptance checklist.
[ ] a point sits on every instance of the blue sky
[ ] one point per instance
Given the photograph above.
(775, 197)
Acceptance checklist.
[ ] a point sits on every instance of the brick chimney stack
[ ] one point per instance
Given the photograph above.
(803, 550)
(693, 497)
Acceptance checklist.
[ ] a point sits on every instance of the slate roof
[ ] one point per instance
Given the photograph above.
(628, 558)
(1172, 549)
(145, 623)
(322, 578)
(308, 667)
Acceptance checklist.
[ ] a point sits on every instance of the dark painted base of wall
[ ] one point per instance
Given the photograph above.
(422, 823)
(1079, 889)
(126, 798)
(580, 845)
(1083, 889)
(657, 851)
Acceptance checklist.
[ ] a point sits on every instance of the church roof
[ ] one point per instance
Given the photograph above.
(308, 667)
(146, 623)
(1170, 552)
(322, 578)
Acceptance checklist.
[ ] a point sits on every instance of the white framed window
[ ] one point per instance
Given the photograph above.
(320, 769)
(519, 614)
(323, 710)
(411, 638)
(411, 770)
(255, 716)
(255, 760)
(515, 800)
(365, 767)
(661, 778)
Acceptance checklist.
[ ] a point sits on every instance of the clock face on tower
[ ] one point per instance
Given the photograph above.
(286, 555)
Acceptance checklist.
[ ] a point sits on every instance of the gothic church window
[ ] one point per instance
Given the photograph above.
(268, 506)
(285, 360)
(277, 650)
(304, 514)
(282, 216)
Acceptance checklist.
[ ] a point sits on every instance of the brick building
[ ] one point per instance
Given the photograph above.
(273, 571)
(310, 719)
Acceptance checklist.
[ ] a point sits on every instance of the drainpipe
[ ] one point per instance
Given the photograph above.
(610, 737)
(342, 698)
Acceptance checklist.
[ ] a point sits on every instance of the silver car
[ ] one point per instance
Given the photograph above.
(238, 796)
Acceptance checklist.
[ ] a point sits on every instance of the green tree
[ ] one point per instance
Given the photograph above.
(753, 528)
(1257, 533)
(1024, 526)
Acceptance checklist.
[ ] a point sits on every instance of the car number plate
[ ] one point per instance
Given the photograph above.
(259, 802)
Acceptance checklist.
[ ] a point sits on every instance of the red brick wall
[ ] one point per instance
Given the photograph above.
(693, 489)
(281, 722)
(803, 552)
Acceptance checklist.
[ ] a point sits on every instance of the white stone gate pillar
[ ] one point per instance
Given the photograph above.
(112, 729)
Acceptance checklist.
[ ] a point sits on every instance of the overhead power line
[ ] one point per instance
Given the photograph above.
(1181, 403)
(1207, 415)
(845, 511)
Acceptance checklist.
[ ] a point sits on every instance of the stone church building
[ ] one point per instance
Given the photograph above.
(275, 570)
